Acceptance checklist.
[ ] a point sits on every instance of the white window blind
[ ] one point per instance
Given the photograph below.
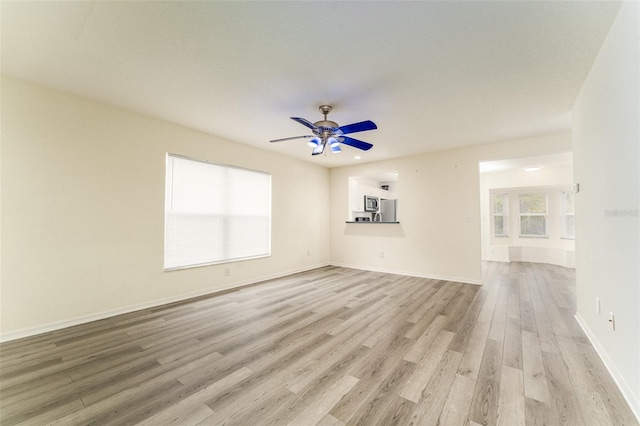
(215, 213)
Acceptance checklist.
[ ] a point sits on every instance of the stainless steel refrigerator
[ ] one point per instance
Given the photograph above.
(388, 210)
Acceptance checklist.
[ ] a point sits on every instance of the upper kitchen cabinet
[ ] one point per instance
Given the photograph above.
(379, 187)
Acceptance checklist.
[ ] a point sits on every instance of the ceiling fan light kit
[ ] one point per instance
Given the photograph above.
(326, 132)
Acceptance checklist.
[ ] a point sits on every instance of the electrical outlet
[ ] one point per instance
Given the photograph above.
(598, 305)
(308, 252)
(612, 321)
(381, 254)
(227, 272)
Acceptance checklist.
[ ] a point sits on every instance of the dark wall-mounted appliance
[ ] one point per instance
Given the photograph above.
(371, 204)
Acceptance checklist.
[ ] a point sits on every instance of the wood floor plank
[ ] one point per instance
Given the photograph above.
(53, 413)
(545, 333)
(426, 367)
(512, 355)
(329, 420)
(442, 293)
(194, 416)
(267, 378)
(499, 319)
(376, 406)
(346, 350)
(196, 401)
(398, 412)
(456, 408)
(535, 381)
(470, 365)
(250, 408)
(372, 370)
(511, 401)
(430, 406)
(537, 413)
(308, 394)
(464, 325)
(424, 342)
(617, 408)
(484, 405)
(577, 370)
(593, 407)
(424, 322)
(565, 407)
(329, 346)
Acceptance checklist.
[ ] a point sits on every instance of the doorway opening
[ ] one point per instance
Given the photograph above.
(527, 210)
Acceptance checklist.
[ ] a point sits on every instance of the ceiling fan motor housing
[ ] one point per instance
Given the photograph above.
(325, 127)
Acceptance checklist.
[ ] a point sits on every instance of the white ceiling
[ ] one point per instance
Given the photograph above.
(553, 160)
(432, 75)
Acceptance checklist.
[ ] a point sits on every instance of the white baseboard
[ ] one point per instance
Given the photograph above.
(410, 273)
(626, 390)
(538, 260)
(495, 259)
(57, 325)
(559, 257)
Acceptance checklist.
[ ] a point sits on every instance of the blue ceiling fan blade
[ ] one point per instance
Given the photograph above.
(304, 122)
(358, 127)
(365, 146)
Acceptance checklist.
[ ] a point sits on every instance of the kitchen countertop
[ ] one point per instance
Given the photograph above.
(364, 221)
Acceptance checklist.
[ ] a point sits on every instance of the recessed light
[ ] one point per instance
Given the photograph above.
(532, 169)
(357, 157)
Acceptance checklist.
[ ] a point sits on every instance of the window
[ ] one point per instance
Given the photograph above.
(567, 215)
(500, 215)
(533, 214)
(214, 213)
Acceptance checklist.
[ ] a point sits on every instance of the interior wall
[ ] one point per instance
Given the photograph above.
(438, 208)
(607, 167)
(83, 211)
(496, 248)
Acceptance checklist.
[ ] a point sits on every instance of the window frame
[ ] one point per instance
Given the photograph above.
(222, 219)
(504, 214)
(564, 214)
(545, 215)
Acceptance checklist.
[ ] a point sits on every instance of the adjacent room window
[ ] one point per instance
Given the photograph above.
(533, 214)
(214, 213)
(500, 215)
(567, 214)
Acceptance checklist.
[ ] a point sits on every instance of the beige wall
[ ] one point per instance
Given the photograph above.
(83, 196)
(439, 211)
(606, 133)
(83, 211)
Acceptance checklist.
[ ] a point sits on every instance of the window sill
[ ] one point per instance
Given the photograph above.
(544, 237)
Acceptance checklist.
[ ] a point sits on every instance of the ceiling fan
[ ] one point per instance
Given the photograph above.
(327, 132)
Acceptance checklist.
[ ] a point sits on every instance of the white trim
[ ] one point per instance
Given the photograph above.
(410, 273)
(618, 378)
(57, 325)
(519, 253)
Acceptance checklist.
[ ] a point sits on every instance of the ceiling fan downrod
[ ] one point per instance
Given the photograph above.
(326, 124)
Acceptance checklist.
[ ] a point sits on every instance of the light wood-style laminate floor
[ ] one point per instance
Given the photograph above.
(331, 346)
